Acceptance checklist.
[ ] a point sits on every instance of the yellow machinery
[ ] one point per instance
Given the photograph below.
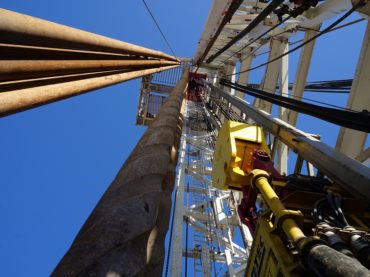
(307, 233)
(233, 154)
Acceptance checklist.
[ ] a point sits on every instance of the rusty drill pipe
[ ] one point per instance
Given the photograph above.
(119, 237)
(16, 85)
(156, 248)
(26, 52)
(19, 100)
(16, 28)
(27, 69)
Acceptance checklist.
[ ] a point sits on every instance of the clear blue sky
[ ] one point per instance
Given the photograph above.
(57, 160)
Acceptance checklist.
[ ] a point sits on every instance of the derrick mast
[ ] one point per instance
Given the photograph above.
(211, 172)
(258, 215)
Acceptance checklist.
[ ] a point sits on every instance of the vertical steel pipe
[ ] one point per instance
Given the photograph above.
(19, 100)
(18, 67)
(124, 235)
(24, 71)
(44, 62)
(18, 28)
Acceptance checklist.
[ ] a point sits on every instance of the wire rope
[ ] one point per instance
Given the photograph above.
(326, 30)
(260, 36)
(308, 99)
(353, 120)
(158, 27)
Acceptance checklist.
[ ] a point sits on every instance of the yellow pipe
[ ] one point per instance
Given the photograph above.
(292, 230)
(288, 225)
(269, 194)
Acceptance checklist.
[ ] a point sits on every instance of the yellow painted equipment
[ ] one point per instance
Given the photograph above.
(283, 241)
(233, 154)
(269, 254)
(233, 169)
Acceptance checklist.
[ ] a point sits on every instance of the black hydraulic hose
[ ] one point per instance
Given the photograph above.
(323, 261)
(339, 245)
(260, 17)
(334, 209)
(360, 247)
(334, 86)
(317, 210)
(354, 120)
(364, 256)
(338, 204)
(324, 211)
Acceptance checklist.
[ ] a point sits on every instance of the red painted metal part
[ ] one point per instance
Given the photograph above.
(247, 209)
(195, 88)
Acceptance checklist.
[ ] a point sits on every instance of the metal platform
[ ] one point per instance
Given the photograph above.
(154, 90)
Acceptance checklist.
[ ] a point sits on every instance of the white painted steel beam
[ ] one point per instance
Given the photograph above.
(271, 76)
(324, 11)
(253, 4)
(194, 253)
(282, 149)
(232, 77)
(225, 241)
(177, 235)
(302, 72)
(206, 214)
(234, 248)
(206, 261)
(309, 19)
(218, 210)
(352, 142)
(229, 263)
(240, 271)
(193, 189)
(213, 21)
(364, 156)
(245, 64)
(201, 216)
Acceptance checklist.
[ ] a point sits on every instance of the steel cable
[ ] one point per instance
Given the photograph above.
(158, 27)
(353, 120)
(260, 17)
(260, 36)
(326, 30)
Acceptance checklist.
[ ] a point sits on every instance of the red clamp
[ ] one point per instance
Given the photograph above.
(247, 210)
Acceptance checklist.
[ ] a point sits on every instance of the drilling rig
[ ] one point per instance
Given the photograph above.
(238, 210)
(211, 173)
